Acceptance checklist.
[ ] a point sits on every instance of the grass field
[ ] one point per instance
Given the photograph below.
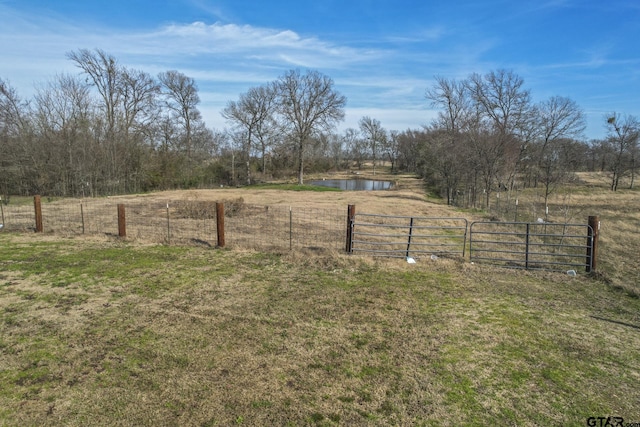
(99, 331)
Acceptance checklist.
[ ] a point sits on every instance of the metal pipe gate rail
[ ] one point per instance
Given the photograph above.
(407, 236)
(532, 246)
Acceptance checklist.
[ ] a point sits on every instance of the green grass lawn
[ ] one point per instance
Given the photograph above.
(110, 333)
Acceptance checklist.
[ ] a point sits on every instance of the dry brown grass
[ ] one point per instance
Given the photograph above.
(407, 196)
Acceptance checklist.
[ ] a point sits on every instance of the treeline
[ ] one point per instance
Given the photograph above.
(111, 129)
(489, 136)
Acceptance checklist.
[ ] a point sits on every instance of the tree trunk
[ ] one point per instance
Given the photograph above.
(247, 153)
(300, 162)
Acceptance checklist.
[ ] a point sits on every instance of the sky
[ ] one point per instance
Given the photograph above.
(381, 54)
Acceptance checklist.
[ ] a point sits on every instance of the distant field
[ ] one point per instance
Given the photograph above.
(99, 331)
(619, 211)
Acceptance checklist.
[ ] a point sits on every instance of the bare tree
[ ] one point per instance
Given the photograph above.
(634, 155)
(108, 130)
(106, 75)
(139, 100)
(103, 71)
(308, 104)
(63, 119)
(12, 110)
(623, 132)
(443, 162)
(453, 99)
(500, 97)
(502, 110)
(182, 98)
(354, 145)
(267, 131)
(409, 147)
(205, 142)
(336, 150)
(558, 119)
(374, 134)
(450, 130)
(392, 149)
(15, 153)
(253, 114)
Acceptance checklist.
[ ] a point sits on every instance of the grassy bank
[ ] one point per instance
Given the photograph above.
(99, 332)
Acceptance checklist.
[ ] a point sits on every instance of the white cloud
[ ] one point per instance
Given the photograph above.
(235, 36)
(244, 42)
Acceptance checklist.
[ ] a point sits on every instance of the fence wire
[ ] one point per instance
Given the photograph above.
(282, 227)
(186, 222)
(17, 218)
(183, 222)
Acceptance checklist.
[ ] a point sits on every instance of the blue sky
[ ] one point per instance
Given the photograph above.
(382, 55)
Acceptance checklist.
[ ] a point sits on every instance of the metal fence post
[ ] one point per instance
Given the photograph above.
(122, 222)
(220, 223)
(351, 213)
(37, 205)
(592, 243)
(410, 233)
(526, 249)
(290, 228)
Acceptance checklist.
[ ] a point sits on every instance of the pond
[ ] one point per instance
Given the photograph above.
(354, 184)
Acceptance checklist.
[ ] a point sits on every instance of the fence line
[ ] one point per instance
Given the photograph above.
(286, 227)
(18, 218)
(239, 225)
(188, 222)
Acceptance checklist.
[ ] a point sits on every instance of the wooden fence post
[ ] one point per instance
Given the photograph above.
(592, 243)
(220, 223)
(37, 205)
(290, 228)
(351, 213)
(122, 222)
(82, 217)
(168, 226)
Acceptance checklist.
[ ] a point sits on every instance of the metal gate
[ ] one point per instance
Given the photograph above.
(407, 236)
(534, 246)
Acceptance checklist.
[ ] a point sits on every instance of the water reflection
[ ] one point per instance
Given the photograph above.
(354, 184)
